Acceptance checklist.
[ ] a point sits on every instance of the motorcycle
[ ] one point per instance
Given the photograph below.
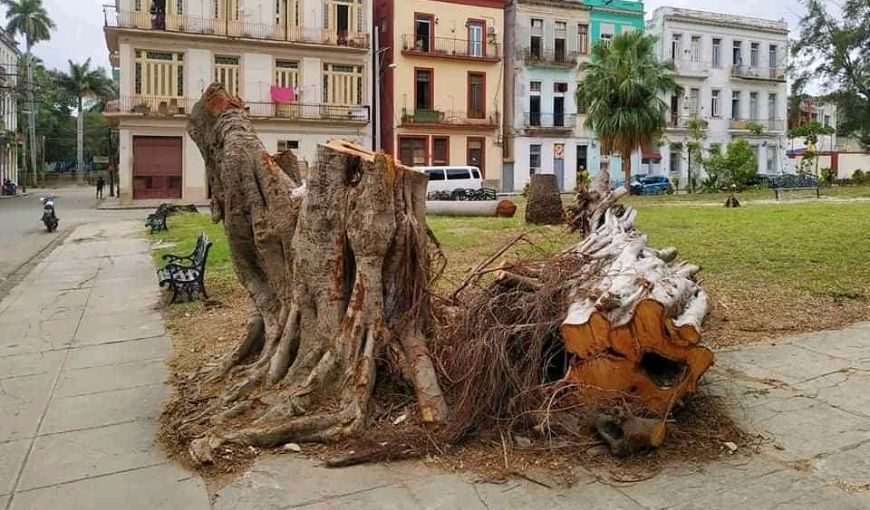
(9, 188)
(49, 218)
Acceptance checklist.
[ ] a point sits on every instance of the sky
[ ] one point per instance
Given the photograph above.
(79, 33)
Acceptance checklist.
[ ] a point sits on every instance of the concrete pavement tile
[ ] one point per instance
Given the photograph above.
(11, 457)
(55, 332)
(391, 497)
(110, 378)
(844, 390)
(98, 329)
(522, 494)
(30, 364)
(850, 467)
(127, 247)
(162, 487)
(3, 501)
(781, 361)
(101, 409)
(91, 356)
(36, 306)
(287, 480)
(693, 482)
(22, 400)
(852, 343)
(81, 454)
(434, 489)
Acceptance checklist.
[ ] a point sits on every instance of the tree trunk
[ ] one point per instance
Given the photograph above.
(545, 203)
(31, 116)
(337, 269)
(634, 329)
(626, 169)
(80, 144)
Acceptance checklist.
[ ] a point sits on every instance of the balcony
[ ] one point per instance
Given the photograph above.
(182, 24)
(549, 57)
(542, 123)
(447, 119)
(449, 48)
(689, 68)
(156, 106)
(678, 123)
(745, 72)
(768, 125)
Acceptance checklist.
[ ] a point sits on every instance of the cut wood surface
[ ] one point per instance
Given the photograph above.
(483, 208)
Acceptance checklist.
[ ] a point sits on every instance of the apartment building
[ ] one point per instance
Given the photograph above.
(821, 111)
(546, 42)
(9, 147)
(301, 66)
(733, 71)
(441, 76)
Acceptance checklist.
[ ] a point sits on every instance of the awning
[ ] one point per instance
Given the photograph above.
(652, 155)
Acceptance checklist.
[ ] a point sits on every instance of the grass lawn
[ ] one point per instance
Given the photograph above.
(835, 192)
(770, 269)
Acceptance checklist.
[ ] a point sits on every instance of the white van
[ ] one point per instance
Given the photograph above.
(449, 178)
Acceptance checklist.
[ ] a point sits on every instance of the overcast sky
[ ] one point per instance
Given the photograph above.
(79, 33)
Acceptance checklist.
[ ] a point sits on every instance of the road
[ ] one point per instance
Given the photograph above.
(23, 236)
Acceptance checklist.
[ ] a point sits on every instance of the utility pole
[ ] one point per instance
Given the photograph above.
(32, 118)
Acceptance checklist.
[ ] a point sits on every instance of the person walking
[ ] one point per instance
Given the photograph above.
(101, 183)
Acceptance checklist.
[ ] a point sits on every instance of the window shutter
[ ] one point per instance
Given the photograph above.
(325, 14)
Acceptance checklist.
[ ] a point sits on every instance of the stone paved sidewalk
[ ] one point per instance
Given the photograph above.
(82, 349)
(808, 396)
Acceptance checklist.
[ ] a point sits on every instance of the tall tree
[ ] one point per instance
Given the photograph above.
(29, 19)
(833, 50)
(622, 89)
(84, 83)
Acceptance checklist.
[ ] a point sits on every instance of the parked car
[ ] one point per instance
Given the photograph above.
(634, 186)
(656, 185)
(452, 178)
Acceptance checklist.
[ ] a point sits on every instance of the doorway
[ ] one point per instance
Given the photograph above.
(582, 163)
(342, 22)
(157, 167)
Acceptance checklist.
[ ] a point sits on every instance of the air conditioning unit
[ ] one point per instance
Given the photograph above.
(491, 31)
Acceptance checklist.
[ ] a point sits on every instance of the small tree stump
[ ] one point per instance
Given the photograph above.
(506, 209)
(545, 204)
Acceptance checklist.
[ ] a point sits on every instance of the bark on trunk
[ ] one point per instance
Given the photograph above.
(337, 269)
(545, 203)
(634, 328)
(626, 169)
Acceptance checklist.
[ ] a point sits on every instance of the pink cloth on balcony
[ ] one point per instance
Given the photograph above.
(283, 94)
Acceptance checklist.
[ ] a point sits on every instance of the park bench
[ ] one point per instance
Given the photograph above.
(796, 182)
(157, 220)
(186, 273)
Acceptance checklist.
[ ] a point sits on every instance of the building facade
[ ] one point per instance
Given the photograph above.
(821, 111)
(301, 66)
(441, 77)
(9, 147)
(733, 72)
(546, 43)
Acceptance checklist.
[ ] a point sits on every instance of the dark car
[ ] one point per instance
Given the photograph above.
(656, 185)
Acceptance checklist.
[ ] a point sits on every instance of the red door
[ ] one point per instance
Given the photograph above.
(157, 163)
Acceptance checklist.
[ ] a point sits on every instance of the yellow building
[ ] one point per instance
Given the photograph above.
(441, 82)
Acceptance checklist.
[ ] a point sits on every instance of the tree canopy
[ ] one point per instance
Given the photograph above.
(29, 19)
(622, 90)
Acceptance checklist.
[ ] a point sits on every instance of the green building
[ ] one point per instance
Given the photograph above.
(612, 17)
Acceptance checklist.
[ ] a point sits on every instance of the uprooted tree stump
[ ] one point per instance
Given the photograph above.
(545, 203)
(337, 272)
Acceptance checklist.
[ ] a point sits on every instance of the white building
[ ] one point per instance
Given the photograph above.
(733, 71)
(545, 42)
(320, 49)
(9, 55)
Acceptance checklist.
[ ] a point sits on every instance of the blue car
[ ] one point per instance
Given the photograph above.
(655, 185)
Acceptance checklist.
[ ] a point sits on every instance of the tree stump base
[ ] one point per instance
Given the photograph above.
(545, 203)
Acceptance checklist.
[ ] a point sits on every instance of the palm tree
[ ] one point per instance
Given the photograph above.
(622, 87)
(29, 19)
(84, 83)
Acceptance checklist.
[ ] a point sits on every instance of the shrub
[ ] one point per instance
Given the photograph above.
(827, 176)
(736, 168)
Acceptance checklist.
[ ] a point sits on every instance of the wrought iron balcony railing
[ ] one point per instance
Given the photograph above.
(412, 117)
(775, 125)
(759, 73)
(447, 47)
(549, 57)
(549, 121)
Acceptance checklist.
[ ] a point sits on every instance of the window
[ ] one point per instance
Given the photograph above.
(535, 86)
(560, 42)
(475, 155)
(342, 84)
(753, 55)
(771, 56)
(423, 89)
(476, 95)
(159, 74)
(735, 104)
(737, 56)
(717, 53)
(436, 175)
(583, 38)
(344, 17)
(286, 13)
(457, 174)
(605, 33)
(694, 101)
(771, 160)
(771, 106)
(696, 48)
(827, 121)
(536, 38)
(675, 157)
(535, 104)
(476, 31)
(412, 150)
(440, 150)
(534, 159)
(753, 105)
(559, 90)
(423, 30)
(284, 145)
(676, 46)
(287, 74)
(226, 72)
(714, 102)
